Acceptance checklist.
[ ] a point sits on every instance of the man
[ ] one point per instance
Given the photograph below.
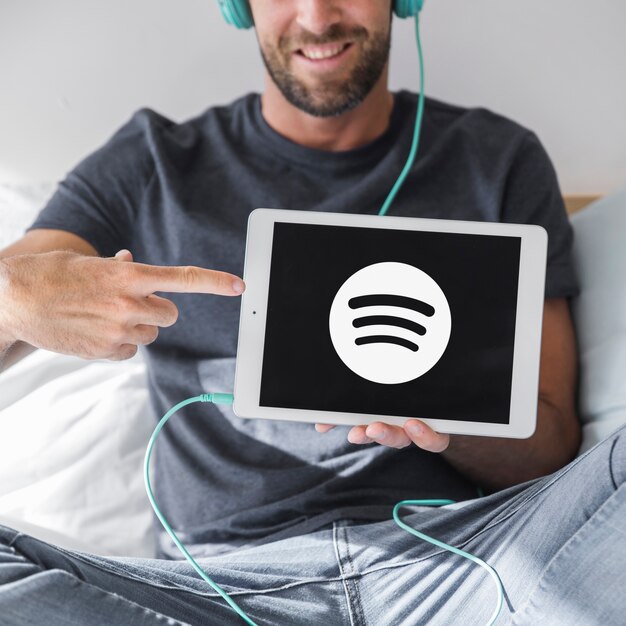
(295, 525)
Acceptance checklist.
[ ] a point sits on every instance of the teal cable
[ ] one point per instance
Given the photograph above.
(445, 546)
(217, 398)
(416, 131)
(227, 398)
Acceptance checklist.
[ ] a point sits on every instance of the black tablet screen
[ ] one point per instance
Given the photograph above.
(351, 312)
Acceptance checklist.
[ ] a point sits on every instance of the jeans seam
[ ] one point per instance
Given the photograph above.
(611, 472)
(206, 594)
(358, 604)
(342, 575)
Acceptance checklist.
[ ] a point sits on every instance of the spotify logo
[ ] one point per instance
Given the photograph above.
(390, 323)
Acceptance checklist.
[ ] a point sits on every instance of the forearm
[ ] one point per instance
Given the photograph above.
(496, 463)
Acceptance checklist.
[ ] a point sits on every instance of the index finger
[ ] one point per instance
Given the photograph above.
(187, 279)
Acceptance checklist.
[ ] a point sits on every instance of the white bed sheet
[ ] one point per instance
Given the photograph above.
(72, 439)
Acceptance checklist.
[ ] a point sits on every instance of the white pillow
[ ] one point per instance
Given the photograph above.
(600, 315)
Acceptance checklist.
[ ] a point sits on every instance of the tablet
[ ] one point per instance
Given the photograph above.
(352, 319)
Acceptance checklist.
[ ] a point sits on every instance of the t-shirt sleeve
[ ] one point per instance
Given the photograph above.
(99, 199)
(532, 196)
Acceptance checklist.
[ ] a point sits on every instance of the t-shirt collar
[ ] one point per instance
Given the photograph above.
(288, 150)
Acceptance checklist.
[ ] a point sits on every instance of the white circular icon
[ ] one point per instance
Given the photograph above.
(390, 323)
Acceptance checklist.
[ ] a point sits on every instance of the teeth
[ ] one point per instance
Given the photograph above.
(322, 54)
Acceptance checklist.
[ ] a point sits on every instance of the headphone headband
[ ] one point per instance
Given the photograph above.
(237, 12)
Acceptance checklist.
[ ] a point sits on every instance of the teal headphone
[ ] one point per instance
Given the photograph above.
(237, 12)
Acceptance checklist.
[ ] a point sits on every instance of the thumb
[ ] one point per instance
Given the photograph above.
(123, 255)
(324, 428)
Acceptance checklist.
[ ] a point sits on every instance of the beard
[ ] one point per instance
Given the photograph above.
(334, 96)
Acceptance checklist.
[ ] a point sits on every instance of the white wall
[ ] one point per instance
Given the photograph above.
(72, 71)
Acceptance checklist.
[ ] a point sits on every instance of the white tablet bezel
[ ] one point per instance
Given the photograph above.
(529, 316)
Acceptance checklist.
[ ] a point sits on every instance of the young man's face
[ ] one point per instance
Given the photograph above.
(325, 56)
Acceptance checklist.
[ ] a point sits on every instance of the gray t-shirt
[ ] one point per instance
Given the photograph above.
(180, 194)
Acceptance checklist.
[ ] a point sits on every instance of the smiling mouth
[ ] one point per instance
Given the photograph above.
(322, 53)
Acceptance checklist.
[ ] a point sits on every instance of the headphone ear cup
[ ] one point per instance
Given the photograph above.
(237, 13)
(407, 8)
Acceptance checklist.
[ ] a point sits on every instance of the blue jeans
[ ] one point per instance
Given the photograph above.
(558, 544)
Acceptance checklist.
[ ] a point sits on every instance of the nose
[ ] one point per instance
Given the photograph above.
(317, 16)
